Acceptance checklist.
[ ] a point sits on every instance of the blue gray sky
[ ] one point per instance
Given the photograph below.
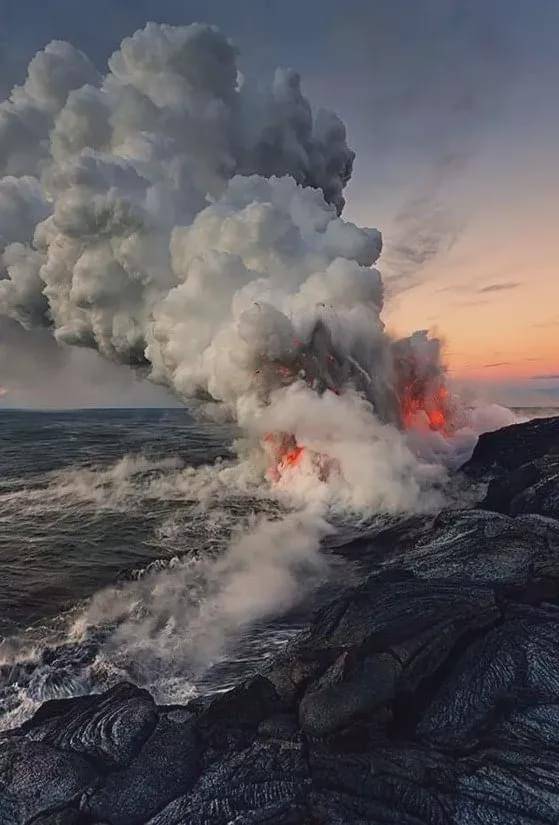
(452, 110)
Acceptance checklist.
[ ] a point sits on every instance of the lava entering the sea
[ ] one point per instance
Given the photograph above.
(416, 397)
(283, 453)
(423, 405)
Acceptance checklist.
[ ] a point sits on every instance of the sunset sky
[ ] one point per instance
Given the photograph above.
(452, 110)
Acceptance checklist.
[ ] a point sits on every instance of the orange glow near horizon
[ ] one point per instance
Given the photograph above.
(492, 293)
(509, 335)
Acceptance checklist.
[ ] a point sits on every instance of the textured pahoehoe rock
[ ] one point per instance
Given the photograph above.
(111, 729)
(522, 466)
(36, 778)
(511, 447)
(532, 488)
(70, 816)
(466, 545)
(427, 695)
(394, 633)
(166, 766)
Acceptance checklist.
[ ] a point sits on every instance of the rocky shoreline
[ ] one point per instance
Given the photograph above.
(427, 694)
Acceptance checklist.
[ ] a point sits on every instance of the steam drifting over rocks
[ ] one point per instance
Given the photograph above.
(428, 693)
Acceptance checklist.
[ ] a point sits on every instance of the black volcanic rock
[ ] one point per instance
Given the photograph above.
(36, 778)
(70, 816)
(511, 447)
(521, 464)
(110, 730)
(389, 641)
(466, 545)
(165, 767)
(532, 488)
(427, 695)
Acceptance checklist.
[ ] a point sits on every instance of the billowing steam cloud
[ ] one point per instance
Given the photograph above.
(177, 218)
(141, 248)
(180, 219)
(183, 221)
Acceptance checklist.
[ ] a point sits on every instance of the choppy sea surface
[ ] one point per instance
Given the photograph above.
(112, 527)
(65, 529)
(117, 502)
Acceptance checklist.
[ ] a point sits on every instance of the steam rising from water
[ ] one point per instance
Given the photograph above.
(182, 220)
(179, 620)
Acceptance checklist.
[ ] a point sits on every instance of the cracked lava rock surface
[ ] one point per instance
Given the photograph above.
(429, 693)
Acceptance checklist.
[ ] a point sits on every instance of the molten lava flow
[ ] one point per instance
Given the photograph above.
(437, 420)
(420, 402)
(284, 453)
(292, 457)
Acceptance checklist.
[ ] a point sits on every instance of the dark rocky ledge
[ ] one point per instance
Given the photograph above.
(428, 694)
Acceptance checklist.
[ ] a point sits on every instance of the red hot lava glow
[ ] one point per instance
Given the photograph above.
(283, 452)
(419, 403)
(423, 399)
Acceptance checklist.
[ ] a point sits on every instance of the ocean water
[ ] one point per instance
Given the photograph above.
(116, 529)
(107, 508)
(66, 529)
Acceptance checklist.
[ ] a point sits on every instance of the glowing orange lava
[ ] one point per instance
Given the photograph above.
(417, 403)
(292, 457)
(284, 453)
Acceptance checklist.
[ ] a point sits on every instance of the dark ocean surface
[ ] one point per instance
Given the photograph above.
(91, 499)
(103, 508)
(58, 542)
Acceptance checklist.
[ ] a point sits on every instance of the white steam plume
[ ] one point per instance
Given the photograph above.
(177, 621)
(124, 163)
(180, 219)
(193, 228)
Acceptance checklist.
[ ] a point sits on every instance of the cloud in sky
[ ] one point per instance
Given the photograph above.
(550, 376)
(501, 287)
(472, 288)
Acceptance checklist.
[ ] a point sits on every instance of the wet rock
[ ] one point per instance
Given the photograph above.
(230, 722)
(70, 816)
(513, 666)
(404, 784)
(340, 698)
(532, 488)
(392, 636)
(476, 545)
(522, 466)
(266, 782)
